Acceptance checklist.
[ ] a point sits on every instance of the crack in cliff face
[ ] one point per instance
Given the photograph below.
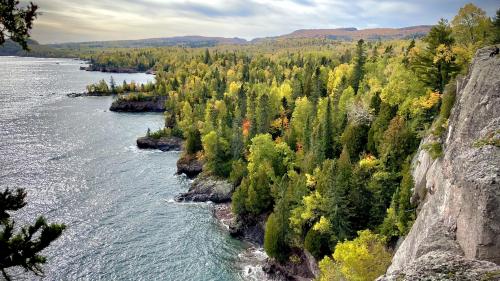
(458, 224)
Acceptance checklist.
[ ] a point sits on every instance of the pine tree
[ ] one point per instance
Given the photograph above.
(23, 248)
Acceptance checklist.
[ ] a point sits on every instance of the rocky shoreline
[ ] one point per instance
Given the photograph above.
(206, 188)
(155, 104)
(163, 143)
(112, 69)
(85, 94)
(189, 165)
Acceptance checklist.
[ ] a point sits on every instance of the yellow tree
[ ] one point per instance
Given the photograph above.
(362, 259)
(471, 27)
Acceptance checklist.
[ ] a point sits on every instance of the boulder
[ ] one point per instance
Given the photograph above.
(189, 165)
(207, 188)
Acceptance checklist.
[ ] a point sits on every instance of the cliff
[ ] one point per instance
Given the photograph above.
(456, 235)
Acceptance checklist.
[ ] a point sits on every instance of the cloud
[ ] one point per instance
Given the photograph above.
(76, 20)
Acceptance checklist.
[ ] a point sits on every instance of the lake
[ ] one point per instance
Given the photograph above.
(80, 166)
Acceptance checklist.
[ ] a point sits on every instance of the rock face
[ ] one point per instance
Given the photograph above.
(206, 188)
(189, 165)
(163, 144)
(249, 230)
(305, 269)
(457, 230)
(153, 105)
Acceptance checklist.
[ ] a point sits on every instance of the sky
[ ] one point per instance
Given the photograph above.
(96, 20)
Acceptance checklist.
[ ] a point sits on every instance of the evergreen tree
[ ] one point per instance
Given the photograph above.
(328, 146)
(406, 60)
(359, 65)
(275, 236)
(193, 141)
(263, 116)
(23, 248)
(237, 144)
(112, 85)
(436, 65)
(496, 28)
(206, 57)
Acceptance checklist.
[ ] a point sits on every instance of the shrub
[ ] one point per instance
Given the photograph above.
(362, 259)
(317, 243)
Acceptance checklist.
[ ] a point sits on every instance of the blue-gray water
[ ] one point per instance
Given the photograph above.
(80, 166)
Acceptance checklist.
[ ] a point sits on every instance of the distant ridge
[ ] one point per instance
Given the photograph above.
(188, 41)
(352, 33)
(193, 41)
(346, 34)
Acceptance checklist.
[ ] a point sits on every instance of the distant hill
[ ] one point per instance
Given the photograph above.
(11, 48)
(341, 34)
(188, 41)
(352, 33)
(346, 34)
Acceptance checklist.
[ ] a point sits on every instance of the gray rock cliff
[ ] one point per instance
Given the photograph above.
(456, 235)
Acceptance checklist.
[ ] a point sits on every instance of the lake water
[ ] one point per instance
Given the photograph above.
(80, 165)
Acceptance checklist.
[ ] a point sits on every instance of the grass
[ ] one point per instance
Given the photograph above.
(435, 149)
(490, 139)
(447, 102)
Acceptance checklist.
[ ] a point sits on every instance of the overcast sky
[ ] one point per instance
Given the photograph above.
(89, 20)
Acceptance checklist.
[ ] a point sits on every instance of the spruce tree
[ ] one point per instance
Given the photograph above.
(359, 65)
(263, 117)
(328, 147)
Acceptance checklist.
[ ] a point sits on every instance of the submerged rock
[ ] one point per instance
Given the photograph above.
(76, 95)
(457, 229)
(189, 165)
(163, 144)
(207, 188)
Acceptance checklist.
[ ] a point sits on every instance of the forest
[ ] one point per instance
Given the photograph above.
(317, 135)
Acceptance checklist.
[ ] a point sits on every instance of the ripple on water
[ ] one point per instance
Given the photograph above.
(80, 166)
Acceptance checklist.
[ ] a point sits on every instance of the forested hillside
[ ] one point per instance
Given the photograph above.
(317, 135)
